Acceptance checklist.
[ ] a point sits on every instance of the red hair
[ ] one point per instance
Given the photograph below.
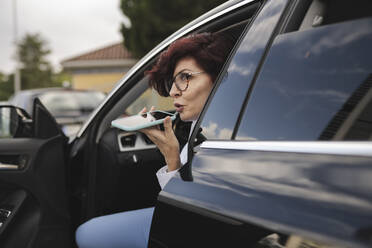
(210, 51)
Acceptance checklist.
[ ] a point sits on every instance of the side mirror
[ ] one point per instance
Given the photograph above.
(14, 122)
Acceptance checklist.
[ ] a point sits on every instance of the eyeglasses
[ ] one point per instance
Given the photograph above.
(182, 79)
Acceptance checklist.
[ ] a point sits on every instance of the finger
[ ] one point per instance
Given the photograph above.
(143, 110)
(152, 135)
(150, 130)
(168, 126)
(147, 130)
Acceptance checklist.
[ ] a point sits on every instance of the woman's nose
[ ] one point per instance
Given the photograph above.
(174, 92)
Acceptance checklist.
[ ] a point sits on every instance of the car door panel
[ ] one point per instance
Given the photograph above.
(33, 192)
(269, 189)
(126, 168)
(39, 190)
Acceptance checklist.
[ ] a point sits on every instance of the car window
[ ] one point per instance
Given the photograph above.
(224, 109)
(278, 240)
(22, 100)
(62, 101)
(148, 99)
(315, 85)
(7, 123)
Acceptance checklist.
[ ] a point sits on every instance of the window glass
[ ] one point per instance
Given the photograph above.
(315, 84)
(292, 241)
(223, 111)
(147, 99)
(325, 12)
(344, 10)
(58, 102)
(7, 121)
(22, 100)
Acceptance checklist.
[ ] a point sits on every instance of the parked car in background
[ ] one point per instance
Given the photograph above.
(70, 107)
(280, 156)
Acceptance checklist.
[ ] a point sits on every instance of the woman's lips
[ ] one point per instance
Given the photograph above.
(179, 107)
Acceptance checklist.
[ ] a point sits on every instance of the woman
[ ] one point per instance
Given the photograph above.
(186, 72)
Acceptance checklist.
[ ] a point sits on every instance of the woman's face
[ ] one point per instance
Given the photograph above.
(189, 103)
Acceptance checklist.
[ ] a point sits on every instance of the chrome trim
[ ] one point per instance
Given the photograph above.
(140, 143)
(156, 50)
(351, 148)
(5, 213)
(8, 167)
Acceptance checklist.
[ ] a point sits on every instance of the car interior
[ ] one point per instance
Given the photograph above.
(121, 174)
(315, 13)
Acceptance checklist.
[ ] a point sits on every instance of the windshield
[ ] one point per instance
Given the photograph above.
(67, 101)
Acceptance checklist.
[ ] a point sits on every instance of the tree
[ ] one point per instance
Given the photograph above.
(153, 21)
(36, 71)
(6, 87)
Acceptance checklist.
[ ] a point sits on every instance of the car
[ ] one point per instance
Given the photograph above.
(70, 107)
(280, 156)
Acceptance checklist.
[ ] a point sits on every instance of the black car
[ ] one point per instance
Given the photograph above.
(280, 157)
(70, 107)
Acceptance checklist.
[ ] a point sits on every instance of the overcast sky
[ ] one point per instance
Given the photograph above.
(70, 27)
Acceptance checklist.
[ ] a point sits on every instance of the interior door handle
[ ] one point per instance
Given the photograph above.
(9, 167)
(13, 162)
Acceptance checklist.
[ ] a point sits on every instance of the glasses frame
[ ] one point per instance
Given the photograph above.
(173, 81)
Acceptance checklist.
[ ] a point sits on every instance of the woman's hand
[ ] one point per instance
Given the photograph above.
(166, 141)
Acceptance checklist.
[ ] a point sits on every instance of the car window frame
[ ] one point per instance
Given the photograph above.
(350, 148)
(276, 30)
(216, 13)
(282, 30)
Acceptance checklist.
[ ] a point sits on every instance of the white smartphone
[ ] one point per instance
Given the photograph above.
(140, 121)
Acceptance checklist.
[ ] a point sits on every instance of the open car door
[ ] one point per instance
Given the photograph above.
(33, 196)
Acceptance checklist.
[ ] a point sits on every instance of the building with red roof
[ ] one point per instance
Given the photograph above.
(99, 69)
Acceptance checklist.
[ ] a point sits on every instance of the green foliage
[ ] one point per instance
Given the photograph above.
(32, 52)
(153, 21)
(36, 71)
(59, 78)
(6, 87)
